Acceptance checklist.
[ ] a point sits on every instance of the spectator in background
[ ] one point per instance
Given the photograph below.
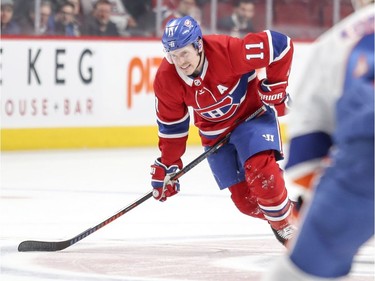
(169, 9)
(99, 23)
(78, 15)
(137, 8)
(8, 25)
(186, 8)
(27, 23)
(146, 22)
(189, 8)
(240, 22)
(118, 15)
(64, 22)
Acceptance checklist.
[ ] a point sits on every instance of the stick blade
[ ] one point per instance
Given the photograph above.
(42, 246)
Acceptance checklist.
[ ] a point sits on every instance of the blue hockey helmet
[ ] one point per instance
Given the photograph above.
(180, 32)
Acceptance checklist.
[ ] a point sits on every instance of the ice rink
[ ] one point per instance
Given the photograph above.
(197, 235)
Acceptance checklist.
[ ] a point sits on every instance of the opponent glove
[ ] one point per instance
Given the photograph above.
(272, 94)
(161, 182)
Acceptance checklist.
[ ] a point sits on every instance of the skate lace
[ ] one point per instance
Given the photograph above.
(287, 232)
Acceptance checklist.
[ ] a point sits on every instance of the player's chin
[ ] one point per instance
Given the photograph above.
(188, 70)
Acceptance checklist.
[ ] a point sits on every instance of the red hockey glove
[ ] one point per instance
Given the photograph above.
(272, 94)
(161, 181)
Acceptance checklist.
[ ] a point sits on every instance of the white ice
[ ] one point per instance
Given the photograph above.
(196, 235)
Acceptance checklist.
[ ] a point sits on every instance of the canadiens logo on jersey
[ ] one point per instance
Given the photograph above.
(212, 109)
(224, 104)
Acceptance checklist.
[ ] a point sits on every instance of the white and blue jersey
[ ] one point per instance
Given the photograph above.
(341, 216)
(312, 115)
(339, 219)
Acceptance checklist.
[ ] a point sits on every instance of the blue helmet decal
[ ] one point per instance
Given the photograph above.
(180, 32)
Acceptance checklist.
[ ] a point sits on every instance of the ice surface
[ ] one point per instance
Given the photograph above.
(196, 235)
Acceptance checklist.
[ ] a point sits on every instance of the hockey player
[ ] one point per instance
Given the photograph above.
(312, 114)
(339, 94)
(215, 76)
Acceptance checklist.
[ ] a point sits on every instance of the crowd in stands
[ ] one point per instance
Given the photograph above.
(112, 17)
(138, 18)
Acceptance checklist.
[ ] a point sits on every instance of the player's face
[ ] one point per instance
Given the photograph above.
(186, 59)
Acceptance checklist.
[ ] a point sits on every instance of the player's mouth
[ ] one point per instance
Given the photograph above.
(185, 67)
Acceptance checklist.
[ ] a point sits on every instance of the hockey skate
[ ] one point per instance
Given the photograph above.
(284, 230)
(285, 234)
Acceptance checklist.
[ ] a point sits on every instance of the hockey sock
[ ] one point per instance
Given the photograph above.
(264, 177)
(245, 201)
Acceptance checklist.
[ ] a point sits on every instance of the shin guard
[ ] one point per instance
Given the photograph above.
(265, 178)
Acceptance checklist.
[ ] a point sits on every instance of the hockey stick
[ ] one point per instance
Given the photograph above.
(52, 246)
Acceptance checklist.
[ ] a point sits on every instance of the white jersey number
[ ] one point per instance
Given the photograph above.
(259, 55)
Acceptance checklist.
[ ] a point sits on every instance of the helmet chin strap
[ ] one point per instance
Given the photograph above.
(196, 72)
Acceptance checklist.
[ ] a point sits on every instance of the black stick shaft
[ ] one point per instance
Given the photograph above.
(50, 246)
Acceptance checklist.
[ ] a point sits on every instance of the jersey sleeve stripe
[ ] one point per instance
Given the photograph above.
(172, 136)
(286, 50)
(176, 122)
(174, 129)
(270, 43)
(279, 45)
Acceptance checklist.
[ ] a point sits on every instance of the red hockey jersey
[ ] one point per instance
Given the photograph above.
(224, 92)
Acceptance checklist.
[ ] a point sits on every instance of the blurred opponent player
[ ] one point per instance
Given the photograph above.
(216, 76)
(335, 105)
